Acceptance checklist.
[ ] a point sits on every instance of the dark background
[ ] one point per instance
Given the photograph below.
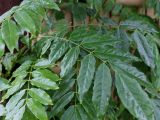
(5, 5)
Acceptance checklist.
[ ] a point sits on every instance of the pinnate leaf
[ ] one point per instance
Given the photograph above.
(40, 96)
(37, 109)
(69, 60)
(133, 97)
(86, 74)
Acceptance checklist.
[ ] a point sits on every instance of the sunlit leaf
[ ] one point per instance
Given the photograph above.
(2, 45)
(25, 21)
(10, 35)
(40, 96)
(16, 85)
(57, 50)
(44, 83)
(14, 100)
(37, 109)
(2, 110)
(69, 60)
(4, 84)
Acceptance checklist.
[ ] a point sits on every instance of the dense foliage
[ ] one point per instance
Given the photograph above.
(91, 66)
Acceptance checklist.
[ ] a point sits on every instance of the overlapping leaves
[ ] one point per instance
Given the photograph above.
(25, 18)
(24, 93)
(93, 71)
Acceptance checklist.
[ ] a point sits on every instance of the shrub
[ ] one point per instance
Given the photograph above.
(71, 62)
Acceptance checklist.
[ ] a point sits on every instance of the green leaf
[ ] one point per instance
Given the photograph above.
(36, 7)
(4, 84)
(90, 110)
(74, 113)
(81, 34)
(133, 97)
(10, 35)
(46, 46)
(137, 24)
(43, 63)
(113, 54)
(102, 89)
(132, 72)
(44, 83)
(156, 106)
(107, 20)
(40, 96)
(64, 86)
(124, 40)
(25, 21)
(37, 109)
(45, 73)
(2, 110)
(9, 61)
(69, 60)
(96, 41)
(0, 69)
(19, 114)
(62, 102)
(97, 4)
(50, 4)
(37, 17)
(79, 11)
(28, 115)
(2, 45)
(37, 48)
(158, 8)
(26, 40)
(117, 9)
(22, 69)
(16, 85)
(10, 115)
(86, 74)
(144, 49)
(157, 71)
(57, 50)
(13, 101)
(61, 27)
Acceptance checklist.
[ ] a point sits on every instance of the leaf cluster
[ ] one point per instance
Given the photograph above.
(95, 70)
